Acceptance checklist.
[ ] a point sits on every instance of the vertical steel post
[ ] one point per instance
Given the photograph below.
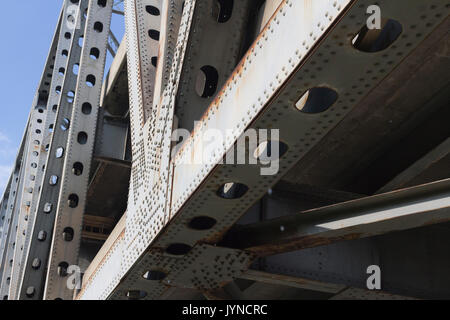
(75, 179)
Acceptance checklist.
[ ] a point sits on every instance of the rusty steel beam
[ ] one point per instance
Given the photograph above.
(294, 282)
(401, 210)
(167, 192)
(336, 290)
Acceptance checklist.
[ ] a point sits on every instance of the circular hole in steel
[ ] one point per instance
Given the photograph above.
(94, 54)
(178, 249)
(36, 264)
(136, 294)
(86, 108)
(62, 269)
(48, 207)
(59, 153)
(30, 292)
(53, 180)
(65, 124)
(154, 11)
(98, 26)
(154, 34)
(206, 81)
(270, 150)
(77, 168)
(70, 96)
(154, 61)
(154, 275)
(202, 223)
(232, 190)
(42, 236)
(317, 100)
(73, 201)
(222, 10)
(68, 234)
(82, 138)
(377, 39)
(90, 80)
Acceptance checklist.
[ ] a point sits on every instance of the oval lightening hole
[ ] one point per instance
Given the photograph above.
(73, 201)
(232, 190)
(154, 11)
(48, 208)
(68, 234)
(86, 108)
(36, 264)
(207, 81)
(90, 80)
(317, 100)
(53, 180)
(154, 61)
(77, 168)
(65, 125)
(375, 40)
(75, 68)
(70, 96)
(222, 10)
(82, 138)
(98, 26)
(178, 249)
(30, 292)
(59, 153)
(202, 223)
(42, 236)
(136, 294)
(270, 150)
(94, 54)
(62, 269)
(154, 275)
(154, 34)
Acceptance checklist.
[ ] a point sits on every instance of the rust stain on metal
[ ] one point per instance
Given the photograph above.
(237, 72)
(99, 266)
(435, 221)
(300, 243)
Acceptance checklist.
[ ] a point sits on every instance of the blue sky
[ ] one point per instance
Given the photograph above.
(28, 30)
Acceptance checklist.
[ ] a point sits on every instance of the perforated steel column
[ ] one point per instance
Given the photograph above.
(83, 121)
(59, 108)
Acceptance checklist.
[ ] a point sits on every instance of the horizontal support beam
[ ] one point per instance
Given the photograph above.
(293, 282)
(337, 291)
(405, 209)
